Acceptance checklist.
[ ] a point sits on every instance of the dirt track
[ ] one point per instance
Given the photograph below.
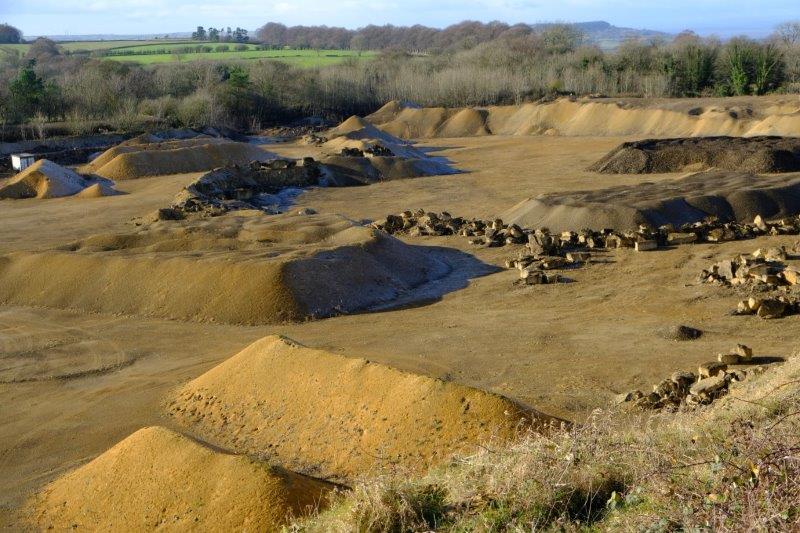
(563, 349)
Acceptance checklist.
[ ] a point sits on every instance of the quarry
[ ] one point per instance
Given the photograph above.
(206, 333)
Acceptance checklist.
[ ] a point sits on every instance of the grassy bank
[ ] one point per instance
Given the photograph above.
(733, 466)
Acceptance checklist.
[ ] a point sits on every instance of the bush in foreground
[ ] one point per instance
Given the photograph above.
(733, 466)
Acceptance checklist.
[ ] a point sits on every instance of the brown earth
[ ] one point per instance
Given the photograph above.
(158, 479)
(337, 417)
(563, 349)
(743, 154)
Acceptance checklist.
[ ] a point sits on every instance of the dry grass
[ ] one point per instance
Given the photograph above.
(730, 467)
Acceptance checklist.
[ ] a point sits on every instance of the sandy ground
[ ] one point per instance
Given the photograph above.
(564, 349)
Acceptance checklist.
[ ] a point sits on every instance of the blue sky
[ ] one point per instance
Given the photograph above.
(57, 17)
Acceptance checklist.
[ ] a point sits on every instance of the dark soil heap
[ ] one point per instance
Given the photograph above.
(747, 154)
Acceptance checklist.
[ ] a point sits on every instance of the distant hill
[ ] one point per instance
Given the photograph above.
(115, 37)
(608, 36)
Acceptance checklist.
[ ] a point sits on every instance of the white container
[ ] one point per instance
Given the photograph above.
(22, 161)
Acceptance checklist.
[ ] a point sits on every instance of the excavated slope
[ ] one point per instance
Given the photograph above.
(592, 117)
(158, 479)
(725, 194)
(335, 417)
(242, 268)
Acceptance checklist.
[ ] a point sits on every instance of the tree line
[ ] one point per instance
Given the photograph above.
(417, 38)
(239, 35)
(46, 85)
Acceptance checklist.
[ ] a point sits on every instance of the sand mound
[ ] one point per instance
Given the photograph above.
(465, 123)
(747, 154)
(358, 153)
(421, 123)
(345, 171)
(356, 127)
(43, 179)
(173, 157)
(164, 135)
(337, 417)
(591, 117)
(243, 268)
(728, 195)
(158, 479)
(97, 190)
(390, 110)
(143, 142)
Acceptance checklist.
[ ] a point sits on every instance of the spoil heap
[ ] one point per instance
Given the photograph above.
(336, 417)
(743, 154)
(245, 267)
(594, 117)
(358, 153)
(243, 187)
(158, 479)
(45, 179)
(728, 196)
(134, 161)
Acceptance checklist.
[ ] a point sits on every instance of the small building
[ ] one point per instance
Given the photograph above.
(22, 161)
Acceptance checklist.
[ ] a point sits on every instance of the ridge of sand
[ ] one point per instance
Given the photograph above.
(565, 116)
(43, 179)
(336, 417)
(173, 157)
(728, 195)
(744, 154)
(241, 268)
(143, 142)
(159, 479)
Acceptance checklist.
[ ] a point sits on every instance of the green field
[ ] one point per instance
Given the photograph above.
(299, 58)
(103, 45)
(144, 46)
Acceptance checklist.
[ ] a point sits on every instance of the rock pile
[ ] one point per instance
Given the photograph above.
(711, 381)
(495, 233)
(763, 271)
(239, 187)
(369, 150)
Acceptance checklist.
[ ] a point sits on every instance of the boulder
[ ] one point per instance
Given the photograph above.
(791, 276)
(629, 396)
(725, 269)
(674, 239)
(712, 368)
(745, 353)
(728, 358)
(645, 245)
(709, 386)
(772, 309)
